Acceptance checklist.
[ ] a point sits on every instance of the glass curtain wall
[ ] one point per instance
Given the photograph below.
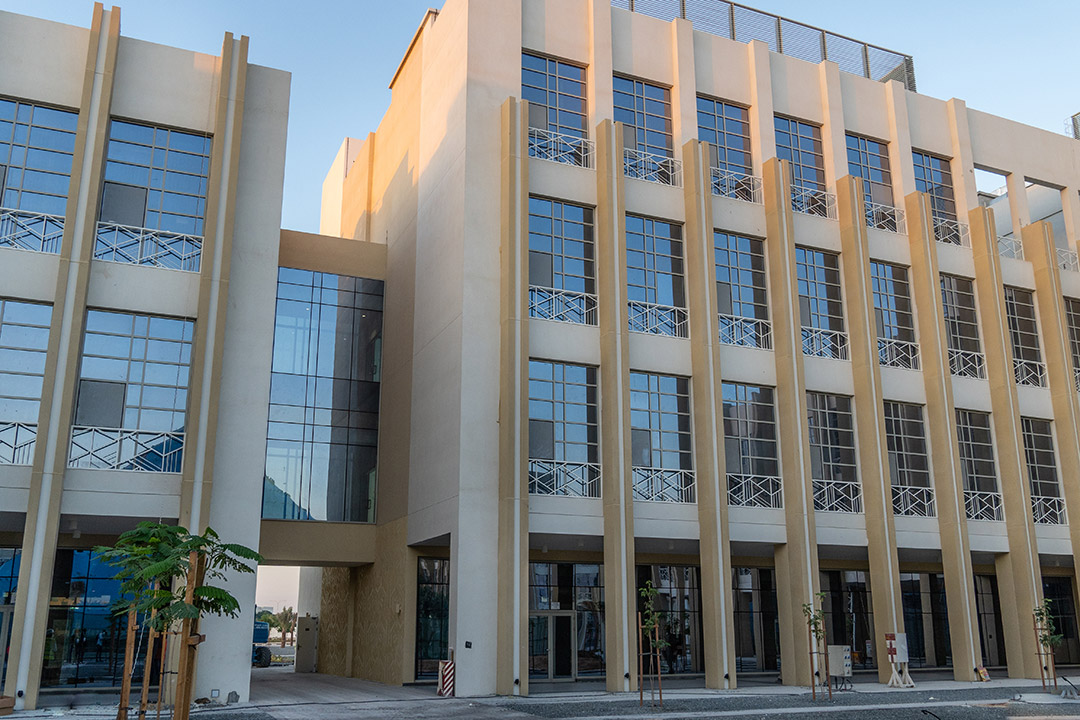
(757, 624)
(926, 619)
(678, 601)
(1059, 591)
(849, 615)
(24, 342)
(988, 613)
(566, 620)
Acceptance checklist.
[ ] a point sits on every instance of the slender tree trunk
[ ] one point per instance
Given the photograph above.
(129, 660)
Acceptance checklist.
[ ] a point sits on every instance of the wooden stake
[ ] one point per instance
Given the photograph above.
(161, 669)
(640, 669)
(828, 677)
(659, 669)
(189, 642)
(129, 660)
(147, 663)
(1040, 652)
(812, 643)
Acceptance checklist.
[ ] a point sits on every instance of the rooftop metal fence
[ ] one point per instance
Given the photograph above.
(741, 23)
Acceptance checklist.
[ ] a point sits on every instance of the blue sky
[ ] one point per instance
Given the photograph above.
(1007, 58)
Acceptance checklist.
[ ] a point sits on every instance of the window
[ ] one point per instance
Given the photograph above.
(893, 316)
(562, 587)
(757, 622)
(799, 143)
(869, 159)
(322, 439)
(132, 393)
(432, 615)
(644, 109)
(750, 446)
(726, 128)
(741, 299)
(1048, 506)
(654, 277)
(1024, 335)
(660, 437)
(965, 352)
(849, 613)
(909, 470)
(564, 452)
(832, 453)
(678, 602)
(981, 497)
(821, 311)
(36, 147)
(562, 269)
(24, 343)
(1072, 319)
(926, 619)
(934, 177)
(153, 201)
(555, 90)
(1059, 591)
(558, 109)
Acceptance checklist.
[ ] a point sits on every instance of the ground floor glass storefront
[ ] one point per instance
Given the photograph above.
(988, 613)
(678, 601)
(9, 579)
(849, 616)
(432, 615)
(757, 624)
(926, 619)
(1059, 591)
(566, 621)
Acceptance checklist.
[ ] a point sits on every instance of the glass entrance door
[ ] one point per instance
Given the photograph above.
(552, 639)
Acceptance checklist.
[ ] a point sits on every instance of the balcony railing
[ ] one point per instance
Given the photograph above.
(31, 231)
(1048, 510)
(117, 449)
(142, 246)
(885, 217)
(755, 491)
(561, 148)
(913, 501)
(1076, 378)
(573, 479)
(658, 319)
(1067, 259)
(982, 505)
(736, 185)
(1031, 373)
(652, 168)
(813, 201)
(1010, 248)
(898, 353)
(832, 344)
(837, 496)
(17, 441)
(952, 232)
(745, 332)
(562, 305)
(660, 485)
(967, 363)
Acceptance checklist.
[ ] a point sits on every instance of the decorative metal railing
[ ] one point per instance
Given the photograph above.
(982, 505)
(837, 496)
(561, 148)
(660, 485)
(562, 305)
(1031, 373)
(658, 319)
(745, 332)
(31, 231)
(142, 246)
(817, 342)
(736, 185)
(898, 353)
(1048, 510)
(885, 217)
(755, 491)
(1010, 248)
(805, 42)
(952, 232)
(17, 441)
(554, 477)
(118, 449)
(1076, 378)
(967, 363)
(813, 201)
(659, 169)
(913, 501)
(1068, 260)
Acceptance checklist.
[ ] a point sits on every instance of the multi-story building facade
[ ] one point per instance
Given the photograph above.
(607, 299)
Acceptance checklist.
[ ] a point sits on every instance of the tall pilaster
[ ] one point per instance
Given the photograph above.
(59, 383)
(620, 614)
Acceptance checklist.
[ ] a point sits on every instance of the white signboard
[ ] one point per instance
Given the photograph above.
(896, 647)
(840, 660)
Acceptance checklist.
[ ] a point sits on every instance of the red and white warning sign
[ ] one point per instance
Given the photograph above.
(897, 653)
(446, 678)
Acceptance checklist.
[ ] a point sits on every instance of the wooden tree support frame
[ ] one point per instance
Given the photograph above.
(653, 654)
(189, 642)
(1045, 653)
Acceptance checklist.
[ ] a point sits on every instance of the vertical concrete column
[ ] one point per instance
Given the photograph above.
(616, 483)
(943, 437)
(61, 364)
(833, 137)
(512, 676)
(599, 73)
(1019, 211)
(870, 416)
(903, 171)
(209, 342)
(963, 163)
(1070, 209)
(1041, 251)
(762, 124)
(1019, 580)
(797, 579)
(684, 93)
(707, 390)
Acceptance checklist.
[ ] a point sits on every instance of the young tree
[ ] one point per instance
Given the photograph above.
(286, 619)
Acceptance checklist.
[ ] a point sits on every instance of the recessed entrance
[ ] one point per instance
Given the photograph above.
(552, 639)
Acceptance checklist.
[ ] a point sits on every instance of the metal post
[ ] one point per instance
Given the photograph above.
(731, 15)
(779, 36)
(866, 60)
(824, 47)
(640, 669)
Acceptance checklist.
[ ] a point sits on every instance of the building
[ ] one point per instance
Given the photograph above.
(609, 298)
